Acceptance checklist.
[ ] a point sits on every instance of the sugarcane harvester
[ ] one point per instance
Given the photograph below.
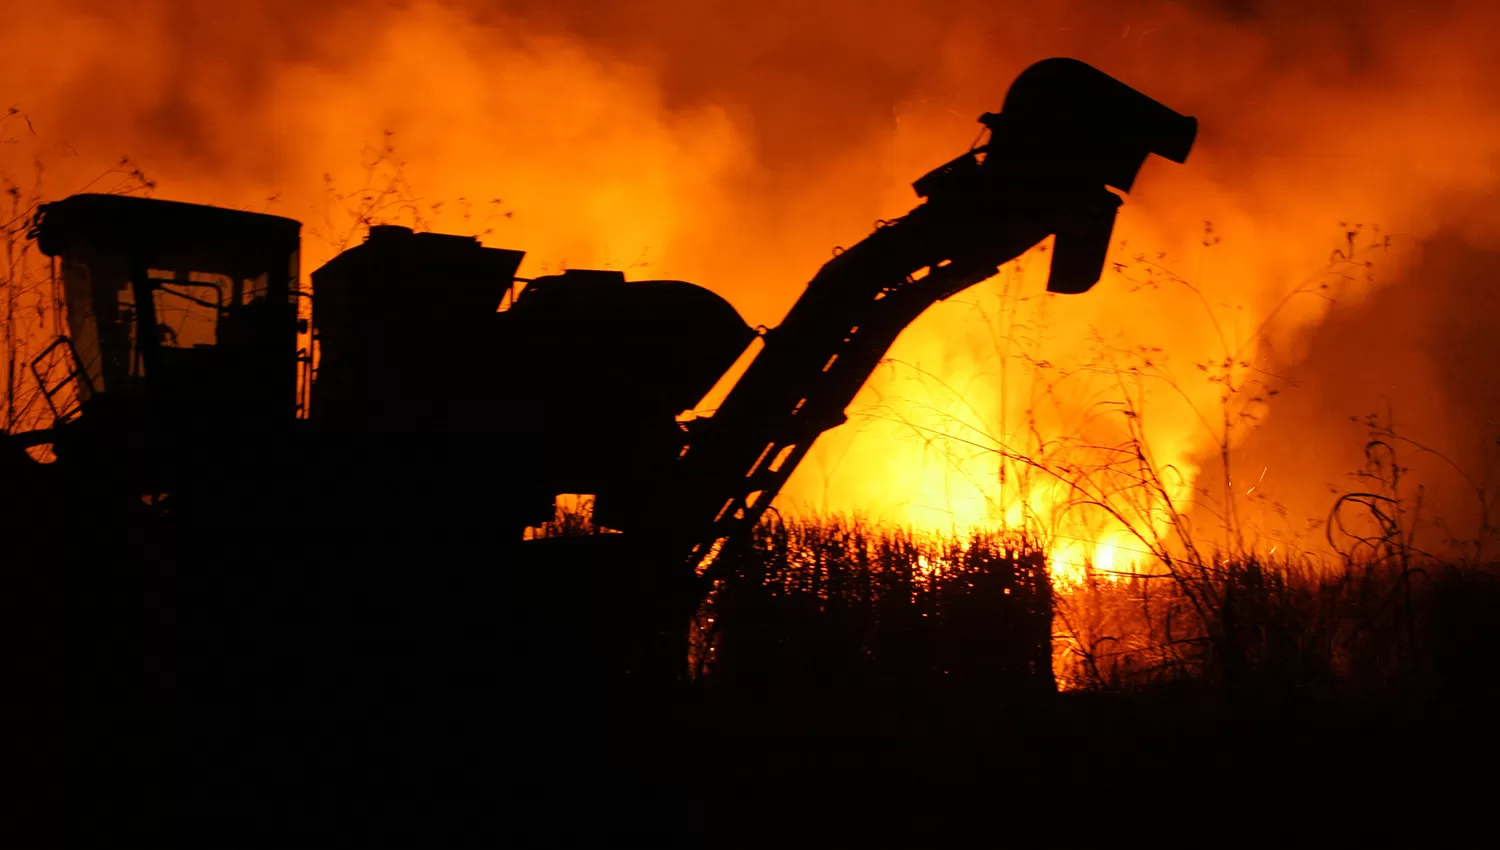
(447, 395)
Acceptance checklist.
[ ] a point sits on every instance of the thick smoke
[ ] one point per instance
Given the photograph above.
(1401, 389)
(734, 144)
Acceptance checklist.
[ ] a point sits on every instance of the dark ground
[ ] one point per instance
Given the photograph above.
(390, 738)
(717, 770)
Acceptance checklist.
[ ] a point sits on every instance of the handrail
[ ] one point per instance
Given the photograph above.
(60, 417)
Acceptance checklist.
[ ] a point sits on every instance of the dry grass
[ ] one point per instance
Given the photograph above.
(1374, 629)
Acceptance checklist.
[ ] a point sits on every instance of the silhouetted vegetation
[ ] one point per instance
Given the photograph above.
(825, 606)
(1375, 629)
(834, 603)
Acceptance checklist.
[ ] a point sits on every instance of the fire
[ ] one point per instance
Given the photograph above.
(678, 147)
(1072, 560)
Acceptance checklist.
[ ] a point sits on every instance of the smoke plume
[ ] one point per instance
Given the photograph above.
(735, 144)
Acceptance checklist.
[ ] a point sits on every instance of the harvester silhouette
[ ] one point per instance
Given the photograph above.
(452, 401)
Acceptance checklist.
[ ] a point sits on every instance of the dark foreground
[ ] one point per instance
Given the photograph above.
(411, 717)
(714, 770)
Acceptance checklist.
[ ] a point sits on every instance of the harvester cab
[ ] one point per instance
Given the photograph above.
(182, 328)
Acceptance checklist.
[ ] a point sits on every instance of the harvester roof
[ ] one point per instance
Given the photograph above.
(119, 221)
